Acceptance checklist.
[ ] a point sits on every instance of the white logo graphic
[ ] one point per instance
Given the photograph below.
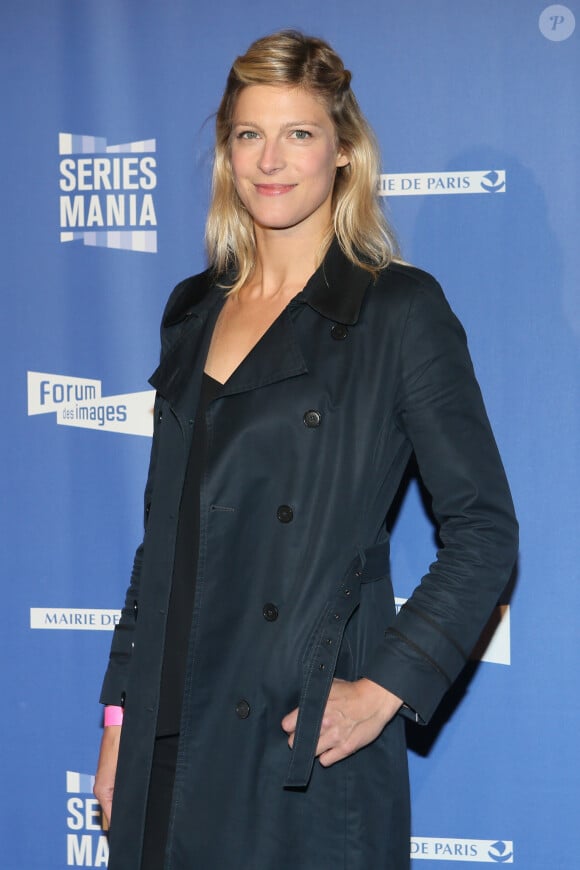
(87, 845)
(79, 402)
(557, 23)
(430, 183)
(74, 618)
(106, 195)
(79, 783)
(494, 645)
(452, 849)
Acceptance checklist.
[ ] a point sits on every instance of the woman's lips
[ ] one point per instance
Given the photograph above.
(274, 189)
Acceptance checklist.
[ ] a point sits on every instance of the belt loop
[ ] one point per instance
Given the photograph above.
(366, 567)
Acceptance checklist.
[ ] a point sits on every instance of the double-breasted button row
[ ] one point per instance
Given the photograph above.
(312, 420)
(242, 709)
(285, 514)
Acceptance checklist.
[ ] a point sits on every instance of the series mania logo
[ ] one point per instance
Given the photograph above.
(86, 841)
(106, 193)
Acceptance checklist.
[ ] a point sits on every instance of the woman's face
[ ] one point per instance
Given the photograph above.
(284, 158)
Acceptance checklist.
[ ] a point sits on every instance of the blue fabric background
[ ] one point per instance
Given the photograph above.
(449, 86)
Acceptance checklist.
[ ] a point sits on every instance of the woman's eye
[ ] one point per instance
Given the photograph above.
(247, 134)
(301, 134)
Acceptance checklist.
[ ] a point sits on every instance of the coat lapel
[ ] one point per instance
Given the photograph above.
(275, 357)
(335, 291)
(188, 324)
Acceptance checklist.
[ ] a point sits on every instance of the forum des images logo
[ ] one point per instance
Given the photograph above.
(106, 193)
(80, 402)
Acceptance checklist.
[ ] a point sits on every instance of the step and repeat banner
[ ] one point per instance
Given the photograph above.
(105, 157)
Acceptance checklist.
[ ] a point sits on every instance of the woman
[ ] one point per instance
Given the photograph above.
(263, 673)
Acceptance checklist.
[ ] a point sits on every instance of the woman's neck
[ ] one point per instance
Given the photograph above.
(284, 263)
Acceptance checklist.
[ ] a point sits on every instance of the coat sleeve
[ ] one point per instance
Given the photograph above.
(440, 411)
(114, 683)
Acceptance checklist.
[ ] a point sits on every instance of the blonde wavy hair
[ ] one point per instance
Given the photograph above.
(293, 59)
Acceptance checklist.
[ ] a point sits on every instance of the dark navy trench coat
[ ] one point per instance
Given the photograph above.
(307, 445)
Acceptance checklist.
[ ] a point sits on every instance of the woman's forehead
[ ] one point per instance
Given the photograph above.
(296, 104)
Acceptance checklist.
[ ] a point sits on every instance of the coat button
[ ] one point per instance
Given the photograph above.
(135, 609)
(312, 419)
(285, 514)
(339, 332)
(123, 698)
(242, 709)
(270, 612)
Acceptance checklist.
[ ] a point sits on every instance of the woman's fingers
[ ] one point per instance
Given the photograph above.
(289, 725)
(355, 714)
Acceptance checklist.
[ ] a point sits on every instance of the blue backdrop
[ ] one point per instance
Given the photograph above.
(105, 158)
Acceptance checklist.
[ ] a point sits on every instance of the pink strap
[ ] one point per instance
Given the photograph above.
(113, 715)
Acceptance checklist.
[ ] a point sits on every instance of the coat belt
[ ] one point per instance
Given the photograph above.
(369, 565)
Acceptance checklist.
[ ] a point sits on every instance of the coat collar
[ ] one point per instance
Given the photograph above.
(335, 291)
(337, 288)
(192, 297)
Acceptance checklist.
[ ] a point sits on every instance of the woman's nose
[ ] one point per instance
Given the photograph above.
(271, 157)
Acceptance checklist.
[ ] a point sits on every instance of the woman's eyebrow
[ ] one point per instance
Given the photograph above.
(284, 126)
